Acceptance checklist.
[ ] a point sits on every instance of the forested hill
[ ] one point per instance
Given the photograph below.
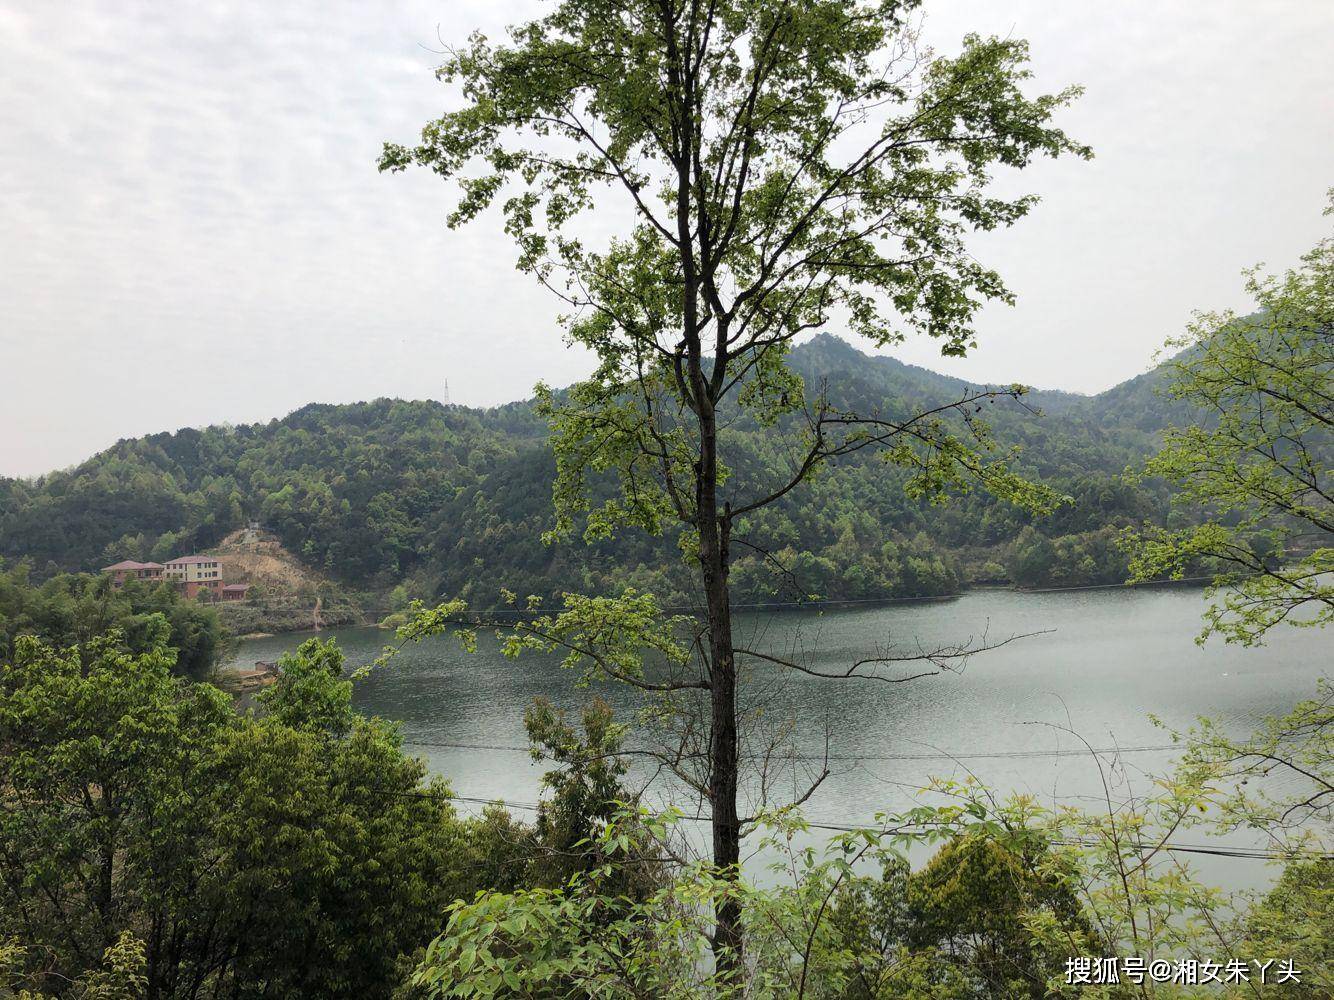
(435, 499)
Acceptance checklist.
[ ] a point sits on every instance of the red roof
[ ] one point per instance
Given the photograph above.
(190, 560)
(131, 564)
(237, 587)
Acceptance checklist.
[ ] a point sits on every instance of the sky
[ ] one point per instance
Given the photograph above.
(193, 231)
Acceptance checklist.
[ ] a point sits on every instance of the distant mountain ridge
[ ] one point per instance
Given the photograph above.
(428, 498)
(827, 353)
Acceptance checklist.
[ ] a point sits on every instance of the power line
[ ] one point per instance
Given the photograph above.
(1219, 850)
(1223, 851)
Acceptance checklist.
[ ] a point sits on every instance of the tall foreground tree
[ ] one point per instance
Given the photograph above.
(1260, 465)
(786, 165)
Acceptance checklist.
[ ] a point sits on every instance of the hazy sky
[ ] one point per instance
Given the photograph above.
(192, 229)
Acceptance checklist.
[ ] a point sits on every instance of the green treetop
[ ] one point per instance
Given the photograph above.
(1260, 462)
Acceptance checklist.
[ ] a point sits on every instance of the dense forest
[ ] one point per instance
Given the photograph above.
(424, 499)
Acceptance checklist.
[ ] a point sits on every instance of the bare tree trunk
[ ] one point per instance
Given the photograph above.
(714, 532)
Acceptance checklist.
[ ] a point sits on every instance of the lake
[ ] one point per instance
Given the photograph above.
(1106, 661)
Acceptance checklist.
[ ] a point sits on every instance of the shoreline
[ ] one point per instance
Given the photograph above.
(501, 616)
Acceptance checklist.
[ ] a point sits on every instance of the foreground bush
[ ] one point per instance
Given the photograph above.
(292, 852)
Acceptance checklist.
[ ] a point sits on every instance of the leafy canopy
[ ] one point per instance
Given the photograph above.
(785, 164)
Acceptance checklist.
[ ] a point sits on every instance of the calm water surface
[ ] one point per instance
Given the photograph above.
(1108, 659)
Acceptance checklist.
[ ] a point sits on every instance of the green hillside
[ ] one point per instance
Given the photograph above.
(434, 499)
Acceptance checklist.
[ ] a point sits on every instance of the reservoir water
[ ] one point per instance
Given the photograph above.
(1105, 661)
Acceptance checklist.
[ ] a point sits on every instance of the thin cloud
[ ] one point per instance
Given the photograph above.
(194, 230)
